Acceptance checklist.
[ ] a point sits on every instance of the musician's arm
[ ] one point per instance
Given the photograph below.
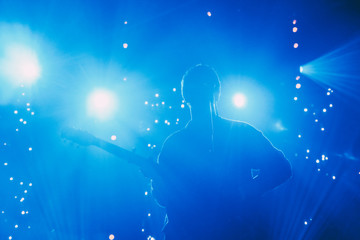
(272, 166)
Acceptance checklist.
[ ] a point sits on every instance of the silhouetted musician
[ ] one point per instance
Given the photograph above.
(214, 169)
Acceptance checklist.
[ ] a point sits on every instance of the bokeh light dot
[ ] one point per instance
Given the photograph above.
(296, 45)
(113, 137)
(125, 45)
(295, 29)
(298, 85)
(111, 237)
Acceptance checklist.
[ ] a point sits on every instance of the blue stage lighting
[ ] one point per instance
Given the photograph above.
(239, 100)
(20, 65)
(101, 104)
(337, 69)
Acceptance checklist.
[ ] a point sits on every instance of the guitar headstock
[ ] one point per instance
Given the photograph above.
(79, 136)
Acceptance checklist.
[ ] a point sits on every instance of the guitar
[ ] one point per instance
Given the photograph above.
(147, 165)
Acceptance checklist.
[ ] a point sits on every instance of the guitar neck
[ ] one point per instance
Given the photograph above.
(147, 166)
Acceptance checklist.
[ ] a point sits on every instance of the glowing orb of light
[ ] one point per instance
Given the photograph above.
(295, 29)
(239, 100)
(113, 137)
(209, 14)
(125, 45)
(101, 104)
(301, 69)
(296, 45)
(111, 237)
(298, 85)
(20, 65)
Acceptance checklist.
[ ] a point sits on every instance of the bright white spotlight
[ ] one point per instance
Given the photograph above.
(20, 65)
(239, 100)
(101, 104)
(301, 69)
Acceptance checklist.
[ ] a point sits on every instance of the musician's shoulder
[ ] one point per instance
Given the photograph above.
(237, 126)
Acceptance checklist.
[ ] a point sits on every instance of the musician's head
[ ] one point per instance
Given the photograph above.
(200, 86)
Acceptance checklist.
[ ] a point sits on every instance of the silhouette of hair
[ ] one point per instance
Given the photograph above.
(200, 83)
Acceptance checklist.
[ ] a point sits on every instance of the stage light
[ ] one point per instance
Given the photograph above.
(101, 104)
(301, 69)
(337, 69)
(20, 65)
(239, 100)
